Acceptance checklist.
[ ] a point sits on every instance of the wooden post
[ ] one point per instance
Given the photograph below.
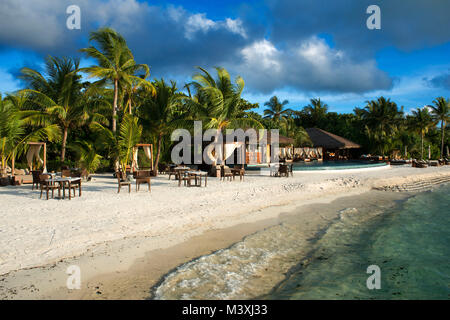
(13, 164)
(151, 153)
(45, 158)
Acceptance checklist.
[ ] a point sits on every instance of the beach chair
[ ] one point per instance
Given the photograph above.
(47, 185)
(122, 181)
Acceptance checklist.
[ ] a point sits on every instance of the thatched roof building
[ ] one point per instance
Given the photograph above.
(327, 140)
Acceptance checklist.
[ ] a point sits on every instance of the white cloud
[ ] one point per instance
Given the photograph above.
(311, 66)
(235, 26)
(198, 22)
(262, 55)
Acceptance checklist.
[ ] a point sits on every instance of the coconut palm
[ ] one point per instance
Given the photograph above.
(382, 119)
(316, 110)
(441, 112)
(115, 64)
(421, 121)
(218, 102)
(58, 97)
(119, 146)
(13, 133)
(88, 157)
(159, 114)
(276, 110)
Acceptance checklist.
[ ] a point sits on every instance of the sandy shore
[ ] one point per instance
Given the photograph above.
(128, 241)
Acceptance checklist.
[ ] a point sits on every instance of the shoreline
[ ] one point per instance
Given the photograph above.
(124, 262)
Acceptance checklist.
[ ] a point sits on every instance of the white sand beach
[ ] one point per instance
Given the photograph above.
(36, 235)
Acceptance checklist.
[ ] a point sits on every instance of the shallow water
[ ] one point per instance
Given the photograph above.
(410, 243)
(290, 261)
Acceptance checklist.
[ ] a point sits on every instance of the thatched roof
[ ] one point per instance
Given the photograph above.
(327, 140)
(282, 140)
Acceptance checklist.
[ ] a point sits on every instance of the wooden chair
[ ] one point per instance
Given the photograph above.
(36, 179)
(122, 181)
(283, 170)
(76, 185)
(48, 185)
(142, 176)
(238, 170)
(226, 173)
(186, 178)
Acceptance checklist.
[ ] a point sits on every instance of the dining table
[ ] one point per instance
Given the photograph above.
(66, 181)
(198, 177)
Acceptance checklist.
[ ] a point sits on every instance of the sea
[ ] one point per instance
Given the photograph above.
(381, 245)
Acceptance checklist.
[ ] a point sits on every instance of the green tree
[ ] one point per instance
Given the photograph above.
(119, 147)
(441, 112)
(276, 110)
(13, 133)
(158, 114)
(316, 111)
(59, 96)
(420, 121)
(382, 119)
(115, 65)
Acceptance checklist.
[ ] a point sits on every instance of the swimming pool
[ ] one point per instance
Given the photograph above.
(327, 165)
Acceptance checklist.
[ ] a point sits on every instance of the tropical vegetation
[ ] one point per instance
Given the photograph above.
(95, 124)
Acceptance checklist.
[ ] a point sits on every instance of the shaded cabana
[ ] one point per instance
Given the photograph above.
(334, 147)
(34, 148)
(148, 151)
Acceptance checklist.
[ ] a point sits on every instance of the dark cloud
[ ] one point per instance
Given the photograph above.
(441, 81)
(272, 45)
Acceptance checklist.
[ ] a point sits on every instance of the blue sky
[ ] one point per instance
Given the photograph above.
(295, 49)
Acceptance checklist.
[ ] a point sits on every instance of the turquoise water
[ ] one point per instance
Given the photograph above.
(409, 242)
(327, 165)
(335, 165)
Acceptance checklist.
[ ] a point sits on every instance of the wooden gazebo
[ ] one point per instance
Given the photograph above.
(34, 149)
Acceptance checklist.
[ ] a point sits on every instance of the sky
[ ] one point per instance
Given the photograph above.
(294, 49)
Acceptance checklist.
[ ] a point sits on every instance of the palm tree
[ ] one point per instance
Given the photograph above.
(116, 64)
(382, 119)
(421, 121)
(441, 112)
(13, 134)
(119, 146)
(218, 102)
(59, 96)
(158, 113)
(88, 157)
(316, 110)
(275, 110)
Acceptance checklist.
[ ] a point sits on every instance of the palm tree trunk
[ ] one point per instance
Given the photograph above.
(421, 154)
(158, 152)
(116, 92)
(442, 138)
(64, 141)
(129, 106)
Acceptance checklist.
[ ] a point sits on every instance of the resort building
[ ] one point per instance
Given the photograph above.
(333, 146)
